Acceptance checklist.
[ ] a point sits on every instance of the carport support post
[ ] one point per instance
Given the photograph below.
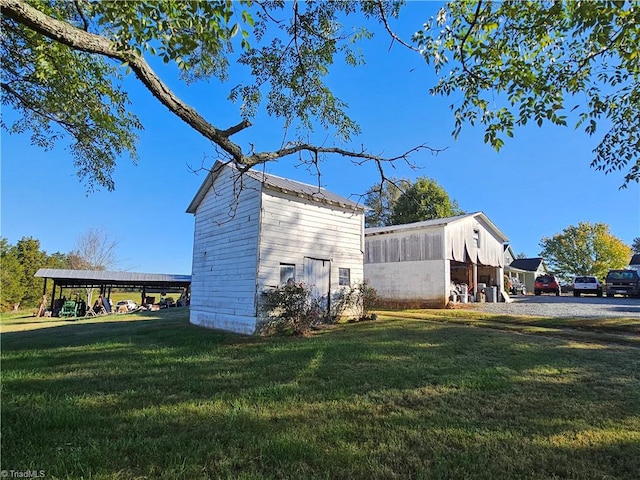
(475, 282)
(44, 291)
(53, 295)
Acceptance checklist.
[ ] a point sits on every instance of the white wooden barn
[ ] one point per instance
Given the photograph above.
(415, 264)
(254, 231)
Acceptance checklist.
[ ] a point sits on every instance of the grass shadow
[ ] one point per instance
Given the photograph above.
(388, 399)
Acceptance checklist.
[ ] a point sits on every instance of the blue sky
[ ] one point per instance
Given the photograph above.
(537, 185)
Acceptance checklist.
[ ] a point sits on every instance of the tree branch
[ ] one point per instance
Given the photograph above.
(81, 40)
(78, 39)
(85, 22)
(236, 128)
(472, 25)
(28, 105)
(394, 36)
(264, 157)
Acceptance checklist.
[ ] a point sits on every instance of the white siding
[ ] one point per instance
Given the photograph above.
(508, 258)
(410, 281)
(295, 228)
(225, 255)
(462, 247)
(242, 235)
(405, 246)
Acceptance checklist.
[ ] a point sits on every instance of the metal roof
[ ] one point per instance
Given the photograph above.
(436, 222)
(274, 182)
(86, 278)
(314, 192)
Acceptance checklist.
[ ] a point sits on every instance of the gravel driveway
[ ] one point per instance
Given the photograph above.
(565, 306)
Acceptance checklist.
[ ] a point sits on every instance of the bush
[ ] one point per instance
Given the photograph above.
(358, 300)
(292, 309)
(369, 298)
(366, 298)
(341, 301)
(288, 309)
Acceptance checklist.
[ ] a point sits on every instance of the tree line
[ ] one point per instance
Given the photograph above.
(94, 250)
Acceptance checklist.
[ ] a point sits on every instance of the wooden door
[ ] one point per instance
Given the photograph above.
(317, 276)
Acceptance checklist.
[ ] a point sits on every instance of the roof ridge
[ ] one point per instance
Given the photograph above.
(252, 171)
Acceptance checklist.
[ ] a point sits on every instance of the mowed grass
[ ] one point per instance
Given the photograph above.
(620, 330)
(151, 396)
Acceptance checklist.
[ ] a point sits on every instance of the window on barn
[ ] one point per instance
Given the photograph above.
(287, 272)
(476, 237)
(344, 276)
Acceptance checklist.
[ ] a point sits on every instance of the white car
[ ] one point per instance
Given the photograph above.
(129, 304)
(586, 284)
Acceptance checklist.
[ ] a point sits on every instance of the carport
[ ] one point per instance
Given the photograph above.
(105, 281)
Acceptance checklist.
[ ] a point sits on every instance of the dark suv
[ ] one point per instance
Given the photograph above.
(623, 282)
(546, 284)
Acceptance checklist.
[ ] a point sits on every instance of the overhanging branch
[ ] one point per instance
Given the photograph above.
(360, 157)
(84, 41)
(392, 34)
(81, 40)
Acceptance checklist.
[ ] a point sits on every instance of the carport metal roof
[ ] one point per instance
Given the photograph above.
(101, 278)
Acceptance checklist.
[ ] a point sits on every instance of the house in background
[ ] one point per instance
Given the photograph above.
(415, 264)
(509, 256)
(527, 269)
(513, 272)
(255, 231)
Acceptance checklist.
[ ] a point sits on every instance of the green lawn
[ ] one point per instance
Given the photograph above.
(151, 396)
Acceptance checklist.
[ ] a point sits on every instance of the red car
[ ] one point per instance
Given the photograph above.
(546, 284)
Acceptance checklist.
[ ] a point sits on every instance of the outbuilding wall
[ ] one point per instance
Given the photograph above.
(411, 283)
(294, 228)
(245, 229)
(225, 253)
(408, 267)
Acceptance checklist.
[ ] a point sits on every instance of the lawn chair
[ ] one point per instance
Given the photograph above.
(69, 309)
